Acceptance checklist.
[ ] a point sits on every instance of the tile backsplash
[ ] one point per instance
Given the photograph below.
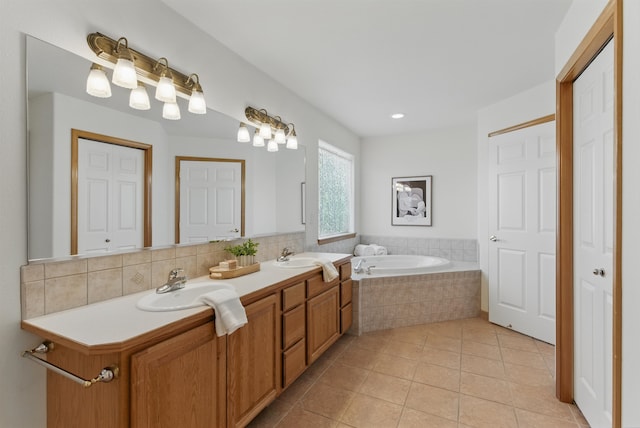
(50, 286)
(461, 250)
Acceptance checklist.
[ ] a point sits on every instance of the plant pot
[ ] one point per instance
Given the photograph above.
(246, 260)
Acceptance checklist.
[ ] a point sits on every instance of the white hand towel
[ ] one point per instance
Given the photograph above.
(230, 314)
(329, 271)
(379, 250)
(363, 250)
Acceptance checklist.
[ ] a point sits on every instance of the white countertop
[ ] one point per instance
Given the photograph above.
(119, 320)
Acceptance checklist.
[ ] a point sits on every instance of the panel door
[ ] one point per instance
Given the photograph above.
(593, 239)
(522, 226)
(110, 197)
(210, 200)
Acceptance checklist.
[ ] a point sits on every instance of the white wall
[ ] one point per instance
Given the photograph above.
(230, 84)
(537, 102)
(449, 155)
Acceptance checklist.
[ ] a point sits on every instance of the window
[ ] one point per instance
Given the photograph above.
(335, 192)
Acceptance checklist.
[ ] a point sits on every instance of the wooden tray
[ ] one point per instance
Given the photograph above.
(222, 273)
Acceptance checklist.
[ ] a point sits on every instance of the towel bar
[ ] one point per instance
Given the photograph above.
(107, 374)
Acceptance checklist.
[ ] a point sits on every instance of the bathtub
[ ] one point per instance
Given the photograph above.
(397, 265)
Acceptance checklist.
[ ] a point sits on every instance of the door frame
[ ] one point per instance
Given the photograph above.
(146, 202)
(607, 26)
(177, 189)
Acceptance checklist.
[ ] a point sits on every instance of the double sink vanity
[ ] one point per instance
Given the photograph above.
(172, 369)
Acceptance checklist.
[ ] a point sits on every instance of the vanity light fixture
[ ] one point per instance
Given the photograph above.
(280, 137)
(131, 66)
(258, 141)
(272, 146)
(292, 139)
(271, 128)
(97, 82)
(139, 98)
(243, 133)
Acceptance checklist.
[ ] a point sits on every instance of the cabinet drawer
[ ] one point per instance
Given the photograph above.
(293, 363)
(346, 290)
(346, 318)
(316, 285)
(345, 271)
(292, 296)
(293, 326)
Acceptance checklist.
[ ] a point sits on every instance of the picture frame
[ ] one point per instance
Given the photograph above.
(411, 201)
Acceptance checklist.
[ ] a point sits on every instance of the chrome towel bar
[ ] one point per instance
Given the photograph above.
(107, 374)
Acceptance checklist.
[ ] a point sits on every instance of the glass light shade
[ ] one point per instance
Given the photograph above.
(139, 98)
(124, 74)
(280, 138)
(197, 103)
(272, 146)
(171, 111)
(243, 134)
(265, 131)
(292, 141)
(258, 141)
(98, 83)
(165, 91)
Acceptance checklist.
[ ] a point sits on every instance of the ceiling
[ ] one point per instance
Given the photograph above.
(359, 61)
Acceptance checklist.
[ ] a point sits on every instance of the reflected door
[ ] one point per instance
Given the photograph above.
(210, 199)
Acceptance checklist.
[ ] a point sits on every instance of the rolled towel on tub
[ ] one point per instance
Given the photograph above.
(363, 250)
(230, 314)
(379, 250)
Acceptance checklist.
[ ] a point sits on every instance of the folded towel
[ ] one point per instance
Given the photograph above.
(362, 250)
(379, 250)
(230, 314)
(329, 271)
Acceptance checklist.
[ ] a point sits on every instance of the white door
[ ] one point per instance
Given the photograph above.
(593, 238)
(210, 200)
(110, 197)
(522, 227)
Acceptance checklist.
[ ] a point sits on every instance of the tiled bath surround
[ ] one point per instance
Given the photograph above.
(391, 302)
(461, 250)
(53, 286)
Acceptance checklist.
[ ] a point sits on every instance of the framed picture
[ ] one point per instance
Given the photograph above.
(411, 201)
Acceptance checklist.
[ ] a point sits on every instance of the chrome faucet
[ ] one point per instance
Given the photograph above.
(284, 255)
(177, 280)
(358, 268)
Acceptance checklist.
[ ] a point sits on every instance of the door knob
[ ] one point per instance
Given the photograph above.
(598, 272)
(493, 238)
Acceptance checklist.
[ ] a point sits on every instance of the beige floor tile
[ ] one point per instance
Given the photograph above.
(396, 366)
(358, 357)
(481, 350)
(489, 388)
(344, 377)
(439, 357)
(403, 349)
(536, 420)
(443, 342)
(438, 376)
(271, 415)
(298, 417)
(297, 389)
(506, 331)
(540, 399)
(414, 336)
(435, 401)
(523, 343)
(370, 341)
(415, 419)
(523, 358)
(483, 366)
(528, 375)
(365, 412)
(578, 416)
(545, 348)
(327, 401)
(449, 329)
(487, 337)
(385, 387)
(480, 413)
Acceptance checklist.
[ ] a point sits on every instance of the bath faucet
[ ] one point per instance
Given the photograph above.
(369, 269)
(284, 255)
(177, 280)
(358, 268)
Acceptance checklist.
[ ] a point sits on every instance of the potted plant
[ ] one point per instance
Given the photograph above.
(245, 253)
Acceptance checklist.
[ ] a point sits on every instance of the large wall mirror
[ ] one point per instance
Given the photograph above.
(58, 103)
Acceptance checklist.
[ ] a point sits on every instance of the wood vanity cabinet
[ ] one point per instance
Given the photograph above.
(323, 316)
(346, 290)
(294, 333)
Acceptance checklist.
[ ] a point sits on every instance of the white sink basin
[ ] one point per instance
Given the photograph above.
(184, 298)
(298, 262)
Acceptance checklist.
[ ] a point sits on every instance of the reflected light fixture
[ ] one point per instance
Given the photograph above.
(165, 91)
(280, 137)
(243, 133)
(271, 128)
(124, 73)
(139, 98)
(292, 139)
(197, 104)
(397, 116)
(258, 141)
(272, 146)
(97, 82)
(171, 111)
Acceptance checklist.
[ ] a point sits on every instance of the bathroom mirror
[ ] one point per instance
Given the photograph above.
(57, 103)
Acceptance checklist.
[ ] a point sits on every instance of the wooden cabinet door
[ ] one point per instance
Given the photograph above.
(323, 322)
(253, 352)
(180, 381)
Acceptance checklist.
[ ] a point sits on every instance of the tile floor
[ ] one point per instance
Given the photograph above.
(458, 374)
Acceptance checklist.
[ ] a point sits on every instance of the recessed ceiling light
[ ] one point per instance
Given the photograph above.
(397, 116)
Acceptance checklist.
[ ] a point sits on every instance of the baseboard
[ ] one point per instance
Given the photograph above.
(484, 315)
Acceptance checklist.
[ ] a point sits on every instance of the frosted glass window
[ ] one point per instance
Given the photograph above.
(335, 191)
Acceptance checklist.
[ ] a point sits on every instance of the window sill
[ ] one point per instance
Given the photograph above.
(336, 238)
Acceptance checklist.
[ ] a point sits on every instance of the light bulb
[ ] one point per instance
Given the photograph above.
(272, 146)
(98, 83)
(171, 111)
(165, 91)
(280, 138)
(139, 98)
(265, 131)
(258, 141)
(197, 103)
(124, 74)
(243, 134)
(292, 141)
